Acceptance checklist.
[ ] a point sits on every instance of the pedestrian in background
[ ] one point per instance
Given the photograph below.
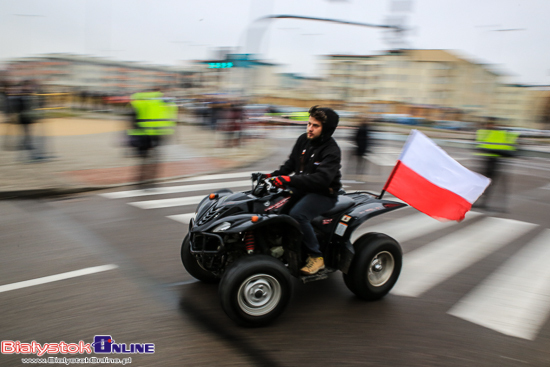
(4, 112)
(152, 120)
(3, 97)
(362, 140)
(233, 125)
(27, 108)
(12, 109)
(495, 145)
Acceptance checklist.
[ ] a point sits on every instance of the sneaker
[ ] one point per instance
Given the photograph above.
(313, 265)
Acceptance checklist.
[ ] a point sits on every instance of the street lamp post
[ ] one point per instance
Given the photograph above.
(254, 35)
(250, 48)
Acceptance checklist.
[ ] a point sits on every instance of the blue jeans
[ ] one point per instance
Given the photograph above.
(309, 206)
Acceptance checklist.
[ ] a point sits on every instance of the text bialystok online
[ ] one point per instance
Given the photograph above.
(102, 344)
(74, 360)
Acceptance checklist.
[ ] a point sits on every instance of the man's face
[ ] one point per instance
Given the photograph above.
(314, 128)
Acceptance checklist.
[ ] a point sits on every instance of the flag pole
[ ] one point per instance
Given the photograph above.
(389, 179)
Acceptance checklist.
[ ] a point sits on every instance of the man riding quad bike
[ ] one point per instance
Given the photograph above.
(300, 225)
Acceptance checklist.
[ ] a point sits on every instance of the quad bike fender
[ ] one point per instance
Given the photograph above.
(370, 236)
(208, 202)
(361, 213)
(346, 257)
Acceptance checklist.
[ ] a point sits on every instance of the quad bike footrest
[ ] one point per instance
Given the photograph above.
(320, 275)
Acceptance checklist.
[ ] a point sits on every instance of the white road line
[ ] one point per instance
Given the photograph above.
(514, 300)
(437, 261)
(176, 189)
(382, 160)
(219, 176)
(182, 218)
(167, 203)
(55, 278)
(409, 227)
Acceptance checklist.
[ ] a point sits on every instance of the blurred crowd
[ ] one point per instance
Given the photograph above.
(225, 116)
(22, 104)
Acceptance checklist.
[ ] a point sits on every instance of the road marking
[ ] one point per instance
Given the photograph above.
(186, 282)
(409, 227)
(175, 189)
(55, 278)
(352, 182)
(384, 159)
(182, 218)
(220, 176)
(515, 299)
(167, 203)
(437, 261)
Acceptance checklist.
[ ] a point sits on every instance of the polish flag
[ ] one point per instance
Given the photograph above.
(428, 179)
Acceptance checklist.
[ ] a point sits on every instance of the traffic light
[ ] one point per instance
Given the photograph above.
(220, 65)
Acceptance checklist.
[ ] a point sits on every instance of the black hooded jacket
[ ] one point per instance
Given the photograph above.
(315, 163)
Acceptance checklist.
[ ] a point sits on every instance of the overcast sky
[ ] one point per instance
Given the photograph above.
(512, 34)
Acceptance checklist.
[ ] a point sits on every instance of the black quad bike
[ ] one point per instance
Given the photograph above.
(249, 243)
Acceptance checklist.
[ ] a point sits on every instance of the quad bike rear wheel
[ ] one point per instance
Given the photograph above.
(375, 266)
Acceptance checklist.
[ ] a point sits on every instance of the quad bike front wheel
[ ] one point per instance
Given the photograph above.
(192, 266)
(255, 290)
(375, 266)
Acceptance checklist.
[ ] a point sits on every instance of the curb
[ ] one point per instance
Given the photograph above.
(44, 193)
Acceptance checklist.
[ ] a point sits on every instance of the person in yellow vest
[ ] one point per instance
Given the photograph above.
(153, 119)
(495, 144)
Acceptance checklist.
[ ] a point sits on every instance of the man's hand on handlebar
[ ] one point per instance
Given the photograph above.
(258, 176)
(280, 181)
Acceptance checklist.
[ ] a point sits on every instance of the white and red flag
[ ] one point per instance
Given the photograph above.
(428, 179)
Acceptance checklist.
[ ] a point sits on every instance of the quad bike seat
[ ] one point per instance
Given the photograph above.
(343, 203)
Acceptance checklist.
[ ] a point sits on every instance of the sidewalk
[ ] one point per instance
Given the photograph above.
(90, 154)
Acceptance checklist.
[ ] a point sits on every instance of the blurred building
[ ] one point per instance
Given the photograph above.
(433, 84)
(521, 105)
(94, 74)
(235, 74)
(542, 104)
(429, 83)
(259, 81)
(297, 91)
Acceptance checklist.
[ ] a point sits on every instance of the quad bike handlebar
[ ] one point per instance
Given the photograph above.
(264, 186)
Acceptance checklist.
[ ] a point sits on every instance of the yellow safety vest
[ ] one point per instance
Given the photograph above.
(299, 116)
(153, 115)
(496, 140)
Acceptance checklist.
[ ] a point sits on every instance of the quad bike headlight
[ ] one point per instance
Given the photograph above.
(222, 227)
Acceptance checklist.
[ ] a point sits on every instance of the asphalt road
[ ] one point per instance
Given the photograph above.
(475, 293)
